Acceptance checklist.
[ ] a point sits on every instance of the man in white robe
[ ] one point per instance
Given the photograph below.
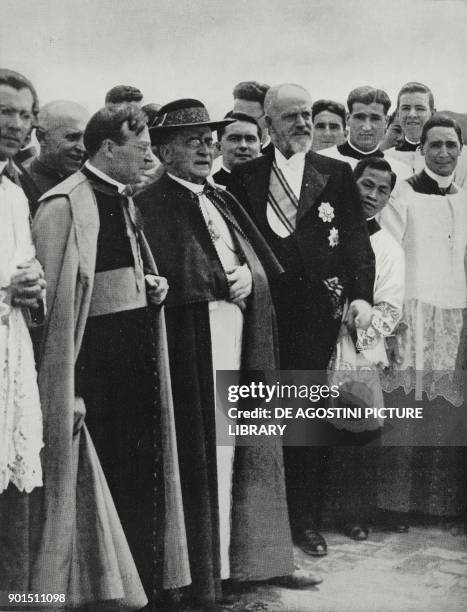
(428, 217)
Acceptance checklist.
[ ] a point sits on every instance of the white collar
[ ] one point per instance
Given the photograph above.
(410, 142)
(194, 187)
(294, 161)
(3, 163)
(105, 177)
(266, 142)
(360, 151)
(443, 181)
(226, 169)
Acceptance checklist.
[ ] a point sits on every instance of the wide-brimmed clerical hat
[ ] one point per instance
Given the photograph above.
(183, 114)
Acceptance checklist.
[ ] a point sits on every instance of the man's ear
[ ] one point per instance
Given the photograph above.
(165, 154)
(107, 147)
(217, 146)
(267, 121)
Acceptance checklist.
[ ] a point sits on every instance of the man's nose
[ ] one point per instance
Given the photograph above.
(327, 130)
(300, 120)
(15, 121)
(367, 124)
(80, 145)
(243, 144)
(371, 193)
(412, 112)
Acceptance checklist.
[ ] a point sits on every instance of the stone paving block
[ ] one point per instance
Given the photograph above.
(461, 583)
(450, 555)
(438, 580)
(454, 568)
(418, 563)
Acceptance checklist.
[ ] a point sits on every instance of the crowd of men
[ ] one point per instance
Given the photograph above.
(146, 247)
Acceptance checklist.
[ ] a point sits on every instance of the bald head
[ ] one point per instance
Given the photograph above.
(288, 116)
(60, 128)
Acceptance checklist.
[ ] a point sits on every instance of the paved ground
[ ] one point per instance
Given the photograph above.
(422, 571)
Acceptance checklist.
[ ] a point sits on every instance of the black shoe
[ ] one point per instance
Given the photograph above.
(356, 531)
(397, 522)
(169, 599)
(300, 579)
(312, 543)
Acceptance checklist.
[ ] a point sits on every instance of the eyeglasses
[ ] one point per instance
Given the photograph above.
(196, 142)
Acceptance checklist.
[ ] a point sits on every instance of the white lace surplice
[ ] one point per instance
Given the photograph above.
(20, 413)
(360, 371)
(433, 232)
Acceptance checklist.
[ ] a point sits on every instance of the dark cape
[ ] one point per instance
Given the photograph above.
(222, 177)
(260, 546)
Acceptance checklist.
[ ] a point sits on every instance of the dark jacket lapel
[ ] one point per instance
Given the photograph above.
(257, 184)
(313, 184)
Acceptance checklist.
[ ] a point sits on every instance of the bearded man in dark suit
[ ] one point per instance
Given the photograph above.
(308, 209)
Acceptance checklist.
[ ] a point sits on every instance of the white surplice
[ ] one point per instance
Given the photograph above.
(20, 413)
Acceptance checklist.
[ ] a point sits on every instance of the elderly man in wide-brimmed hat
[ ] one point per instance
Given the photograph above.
(219, 317)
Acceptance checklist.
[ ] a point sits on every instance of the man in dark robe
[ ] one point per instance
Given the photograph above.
(367, 119)
(102, 362)
(219, 316)
(238, 143)
(308, 209)
(59, 130)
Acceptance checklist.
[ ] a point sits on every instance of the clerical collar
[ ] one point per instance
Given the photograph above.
(266, 143)
(349, 150)
(194, 187)
(3, 164)
(294, 160)
(444, 182)
(104, 177)
(372, 226)
(408, 145)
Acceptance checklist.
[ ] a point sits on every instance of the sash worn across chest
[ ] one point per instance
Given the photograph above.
(282, 204)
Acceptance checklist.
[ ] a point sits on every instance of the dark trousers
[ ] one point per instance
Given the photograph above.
(307, 336)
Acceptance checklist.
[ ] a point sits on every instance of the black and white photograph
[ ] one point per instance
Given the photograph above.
(233, 305)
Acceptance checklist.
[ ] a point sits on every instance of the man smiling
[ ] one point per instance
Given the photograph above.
(60, 132)
(415, 105)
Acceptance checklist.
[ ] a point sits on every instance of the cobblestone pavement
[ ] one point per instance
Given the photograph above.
(422, 571)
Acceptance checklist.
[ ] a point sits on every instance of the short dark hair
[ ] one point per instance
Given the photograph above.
(238, 117)
(328, 105)
(368, 95)
(440, 120)
(251, 91)
(376, 163)
(415, 87)
(123, 93)
(108, 122)
(18, 81)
